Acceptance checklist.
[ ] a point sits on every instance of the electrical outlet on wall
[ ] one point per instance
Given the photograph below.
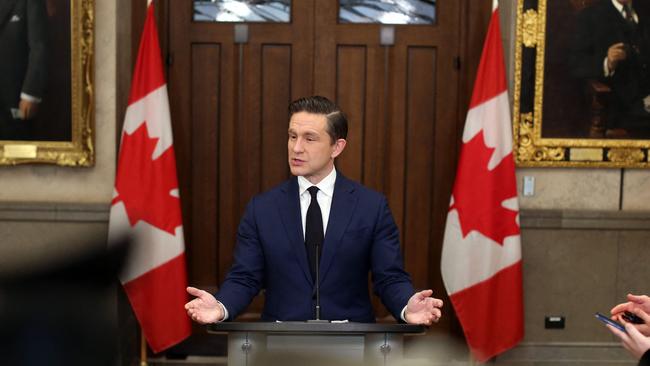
(554, 322)
(529, 186)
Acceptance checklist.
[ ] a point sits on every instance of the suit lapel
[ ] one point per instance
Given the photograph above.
(343, 203)
(289, 206)
(6, 6)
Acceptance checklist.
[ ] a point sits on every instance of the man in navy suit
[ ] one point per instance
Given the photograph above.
(360, 235)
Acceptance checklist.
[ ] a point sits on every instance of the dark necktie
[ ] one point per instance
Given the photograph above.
(629, 13)
(313, 230)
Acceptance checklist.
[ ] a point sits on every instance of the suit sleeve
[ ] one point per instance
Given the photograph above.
(245, 278)
(390, 281)
(36, 75)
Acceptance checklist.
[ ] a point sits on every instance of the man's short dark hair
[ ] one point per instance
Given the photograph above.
(337, 122)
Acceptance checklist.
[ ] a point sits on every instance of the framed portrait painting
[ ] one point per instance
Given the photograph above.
(46, 93)
(582, 83)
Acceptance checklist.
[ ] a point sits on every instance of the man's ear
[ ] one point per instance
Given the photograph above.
(339, 145)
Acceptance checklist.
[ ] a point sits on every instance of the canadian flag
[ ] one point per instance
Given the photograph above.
(481, 255)
(146, 203)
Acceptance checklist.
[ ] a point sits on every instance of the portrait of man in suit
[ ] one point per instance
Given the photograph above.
(316, 225)
(23, 65)
(611, 44)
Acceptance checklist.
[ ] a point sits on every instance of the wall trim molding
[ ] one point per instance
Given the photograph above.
(565, 353)
(529, 219)
(574, 219)
(57, 212)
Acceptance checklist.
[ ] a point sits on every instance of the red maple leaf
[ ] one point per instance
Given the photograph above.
(479, 192)
(145, 185)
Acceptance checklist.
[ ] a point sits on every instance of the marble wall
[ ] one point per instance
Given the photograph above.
(40, 204)
(577, 263)
(48, 213)
(585, 237)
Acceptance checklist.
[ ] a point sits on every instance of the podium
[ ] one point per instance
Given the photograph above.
(314, 344)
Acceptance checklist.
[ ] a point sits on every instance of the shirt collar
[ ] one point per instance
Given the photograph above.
(326, 185)
(618, 6)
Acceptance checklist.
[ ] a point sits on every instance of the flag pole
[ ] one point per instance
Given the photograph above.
(143, 349)
(143, 340)
(143, 343)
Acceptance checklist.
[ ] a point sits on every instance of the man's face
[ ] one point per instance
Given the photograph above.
(311, 151)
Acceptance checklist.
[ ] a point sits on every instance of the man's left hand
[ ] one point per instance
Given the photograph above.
(423, 309)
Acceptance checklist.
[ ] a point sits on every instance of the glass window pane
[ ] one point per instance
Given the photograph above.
(387, 11)
(276, 11)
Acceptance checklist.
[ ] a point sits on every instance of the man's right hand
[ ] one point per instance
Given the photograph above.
(615, 54)
(204, 309)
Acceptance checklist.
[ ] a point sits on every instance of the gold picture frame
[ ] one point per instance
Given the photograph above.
(76, 149)
(539, 50)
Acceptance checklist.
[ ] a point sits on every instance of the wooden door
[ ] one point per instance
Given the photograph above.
(229, 109)
(229, 100)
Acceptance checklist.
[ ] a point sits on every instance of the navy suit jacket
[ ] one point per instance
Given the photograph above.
(270, 254)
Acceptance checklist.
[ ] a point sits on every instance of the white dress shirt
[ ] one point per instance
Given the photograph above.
(324, 197)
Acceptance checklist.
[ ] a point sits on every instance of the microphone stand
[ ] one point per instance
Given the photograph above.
(317, 267)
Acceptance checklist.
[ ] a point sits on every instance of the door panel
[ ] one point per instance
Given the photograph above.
(420, 157)
(204, 149)
(276, 72)
(351, 94)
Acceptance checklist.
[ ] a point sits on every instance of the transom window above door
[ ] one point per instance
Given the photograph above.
(387, 11)
(350, 11)
(254, 11)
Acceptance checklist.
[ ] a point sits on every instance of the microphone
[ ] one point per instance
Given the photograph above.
(317, 267)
